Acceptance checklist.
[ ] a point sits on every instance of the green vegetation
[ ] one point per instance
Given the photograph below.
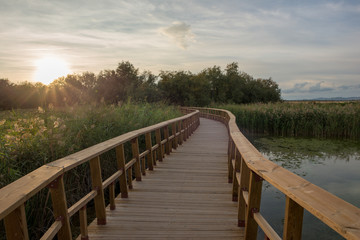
(31, 138)
(322, 120)
(113, 86)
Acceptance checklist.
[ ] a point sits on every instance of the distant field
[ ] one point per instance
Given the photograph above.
(300, 118)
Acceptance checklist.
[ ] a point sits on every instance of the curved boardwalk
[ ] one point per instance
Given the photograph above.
(186, 196)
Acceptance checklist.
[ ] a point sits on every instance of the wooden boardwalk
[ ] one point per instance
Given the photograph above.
(187, 196)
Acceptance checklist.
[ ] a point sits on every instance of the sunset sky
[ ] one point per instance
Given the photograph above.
(310, 48)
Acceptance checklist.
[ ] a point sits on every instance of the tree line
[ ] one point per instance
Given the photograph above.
(211, 85)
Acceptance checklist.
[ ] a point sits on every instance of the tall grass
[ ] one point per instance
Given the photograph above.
(321, 120)
(31, 138)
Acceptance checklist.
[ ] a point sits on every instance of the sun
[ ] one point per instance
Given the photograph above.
(50, 68)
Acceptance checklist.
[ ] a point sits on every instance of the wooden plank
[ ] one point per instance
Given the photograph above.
(15, 224)
(96, 180)
(293, 220)
(111, 179)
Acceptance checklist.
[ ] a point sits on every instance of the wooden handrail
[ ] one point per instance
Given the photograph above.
(338, 214)
(14, 195)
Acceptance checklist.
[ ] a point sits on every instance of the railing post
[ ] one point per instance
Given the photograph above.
(112, 196)
(230, 158)
(243, 186)
(180, 138)
(99, 200)
(58, 198)
(135, 154)
(251, 225)
(158, 141)
(293, 220)
(120, 157)
(175, 139)
(15, 224)
(83, 223)
(236, 170)
(149, 148)
(186, 129)
(166, 136)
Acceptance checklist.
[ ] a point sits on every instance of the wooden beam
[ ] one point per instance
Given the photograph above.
(167, 144)
(83, 224)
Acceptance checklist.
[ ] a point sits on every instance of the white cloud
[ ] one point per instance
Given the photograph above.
(180, 33)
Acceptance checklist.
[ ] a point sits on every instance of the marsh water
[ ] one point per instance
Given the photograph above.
(334, 165)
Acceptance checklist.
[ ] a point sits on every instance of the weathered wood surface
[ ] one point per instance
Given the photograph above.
(186, 196)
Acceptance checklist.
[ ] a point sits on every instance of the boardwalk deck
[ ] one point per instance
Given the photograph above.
(186, 197)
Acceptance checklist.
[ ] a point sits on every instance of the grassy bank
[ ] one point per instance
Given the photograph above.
(309, 119)
(31, 138)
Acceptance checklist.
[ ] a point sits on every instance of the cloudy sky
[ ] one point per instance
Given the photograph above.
(310, 48)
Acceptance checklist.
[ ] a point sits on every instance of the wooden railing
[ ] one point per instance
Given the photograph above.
(247, 170)
(14, 195)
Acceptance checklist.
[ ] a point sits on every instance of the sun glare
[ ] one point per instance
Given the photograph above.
(50, 68)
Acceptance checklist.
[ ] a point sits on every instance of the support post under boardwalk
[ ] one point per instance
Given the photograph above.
(251, 225)
(60, 209)
(99, 200)
(15, 224)
(293, 220)
(120, 157)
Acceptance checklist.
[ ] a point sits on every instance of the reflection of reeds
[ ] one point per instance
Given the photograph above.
(29, 139)
(330, 120)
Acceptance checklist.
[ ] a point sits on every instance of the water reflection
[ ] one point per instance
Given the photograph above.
(331, 164)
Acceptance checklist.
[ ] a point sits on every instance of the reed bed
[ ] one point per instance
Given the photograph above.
(31, 138)
(302, 119)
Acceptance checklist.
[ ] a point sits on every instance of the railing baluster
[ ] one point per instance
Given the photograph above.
(293, 220)
(166, 136)
(243, 186)
(83, 224)
(120, 157)
(149, 156)
(135, 154)
(112, 195)
(99, 200)
(230, 158)
(180, 138)
(251, 225)
(236, 170)
(175, 139)
(158, 141)
(58, 198)
(15, 224)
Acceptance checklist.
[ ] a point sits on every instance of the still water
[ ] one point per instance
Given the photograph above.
(333, 165)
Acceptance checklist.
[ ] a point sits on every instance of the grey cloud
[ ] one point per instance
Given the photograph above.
(180, 33)
(317, 88)
(347, 87)
(298, 87)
